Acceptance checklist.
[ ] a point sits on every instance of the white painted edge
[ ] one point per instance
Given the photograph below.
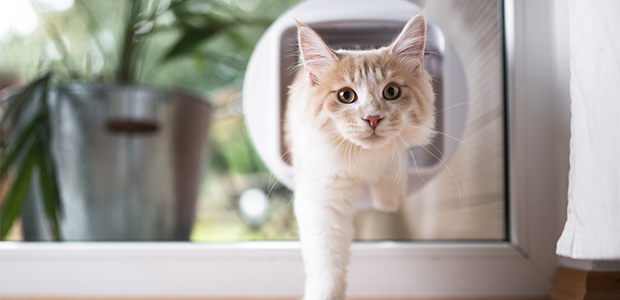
(519, 268)
(275, 251)
(262, 269)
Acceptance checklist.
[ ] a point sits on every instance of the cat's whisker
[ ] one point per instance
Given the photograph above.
(415, 164)
(456, 139)
(396, 153)
(353, 149)
(440, 153)
(464, 143)
(458, 189)
(271, 189)
(451, 106)
(397, 173)
(348, 155)
(356, 160)
(335, 140)
(284, 154)
(290, 158)
(393, 154)
(350, 152)
(336, 149)
(399, 167)
(289, 203)
(291, 70)
(331, 135)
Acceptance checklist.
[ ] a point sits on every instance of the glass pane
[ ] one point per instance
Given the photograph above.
(195, 46)
(467, 200)
(239, 199)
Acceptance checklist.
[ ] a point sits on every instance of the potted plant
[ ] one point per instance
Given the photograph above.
(104, 158)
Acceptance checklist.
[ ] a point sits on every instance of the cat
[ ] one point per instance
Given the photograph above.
(351, 117)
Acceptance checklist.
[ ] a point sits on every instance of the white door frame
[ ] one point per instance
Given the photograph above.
(520, 267)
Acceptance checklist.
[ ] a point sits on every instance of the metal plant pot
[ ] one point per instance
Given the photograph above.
(129, 161)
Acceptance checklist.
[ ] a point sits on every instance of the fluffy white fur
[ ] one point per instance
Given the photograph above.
(335, 151)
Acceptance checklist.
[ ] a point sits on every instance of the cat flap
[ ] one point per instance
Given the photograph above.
(356, 25)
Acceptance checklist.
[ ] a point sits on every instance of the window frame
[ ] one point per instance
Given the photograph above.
(522, 266)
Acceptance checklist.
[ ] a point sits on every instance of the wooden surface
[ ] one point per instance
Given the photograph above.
(190, 298)
(574, 284)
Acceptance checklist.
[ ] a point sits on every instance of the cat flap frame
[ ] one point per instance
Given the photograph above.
(350, 25)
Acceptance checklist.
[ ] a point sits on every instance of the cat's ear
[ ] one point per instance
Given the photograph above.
(410, 42)
(315, 54)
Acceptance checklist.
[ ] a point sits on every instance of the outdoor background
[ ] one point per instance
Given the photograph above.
(214, 71)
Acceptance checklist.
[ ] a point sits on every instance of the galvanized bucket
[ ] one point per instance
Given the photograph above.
(129, 162)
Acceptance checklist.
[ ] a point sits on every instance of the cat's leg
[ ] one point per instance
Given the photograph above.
(389, 191)
(325, 220)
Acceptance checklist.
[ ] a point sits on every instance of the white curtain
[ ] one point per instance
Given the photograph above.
(592, 230)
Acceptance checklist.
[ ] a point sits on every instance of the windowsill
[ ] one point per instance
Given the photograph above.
(261, 269)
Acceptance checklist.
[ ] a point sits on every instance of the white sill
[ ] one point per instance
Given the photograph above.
(263, 269)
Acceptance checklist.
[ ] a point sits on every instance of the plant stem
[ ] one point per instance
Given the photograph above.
(64, 50)
(94, 28)
(126, 67)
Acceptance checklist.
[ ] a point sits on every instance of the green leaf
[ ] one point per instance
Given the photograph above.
(238, 39)
(16, 105)
(19, 189)
(93, 26)
(126, 70)
(24, 137)
(12, 108)
(47, 173)
(62, 47)
(21, 136)
(191, 39)
(49, 189)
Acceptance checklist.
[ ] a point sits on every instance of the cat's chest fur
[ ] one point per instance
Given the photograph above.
(337, 159)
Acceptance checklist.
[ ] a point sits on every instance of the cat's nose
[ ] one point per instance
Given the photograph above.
(373, 121)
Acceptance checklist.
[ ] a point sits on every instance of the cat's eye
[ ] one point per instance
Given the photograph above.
(347, 95)
(391, 91)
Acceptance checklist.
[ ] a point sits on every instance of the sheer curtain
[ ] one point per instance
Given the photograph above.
(592, 229)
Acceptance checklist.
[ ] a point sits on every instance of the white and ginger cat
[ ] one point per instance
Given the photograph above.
(351, 117)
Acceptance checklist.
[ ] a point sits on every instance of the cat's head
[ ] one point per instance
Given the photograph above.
(373, 97)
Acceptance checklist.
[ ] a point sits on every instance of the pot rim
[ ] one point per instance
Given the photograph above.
(102, 87)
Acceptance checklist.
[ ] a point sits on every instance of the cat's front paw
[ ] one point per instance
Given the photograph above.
(325, 289)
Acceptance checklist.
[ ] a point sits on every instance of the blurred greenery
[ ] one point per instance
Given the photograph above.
(179, 53)
(236, 167)
(28, 141)
(82, 44)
